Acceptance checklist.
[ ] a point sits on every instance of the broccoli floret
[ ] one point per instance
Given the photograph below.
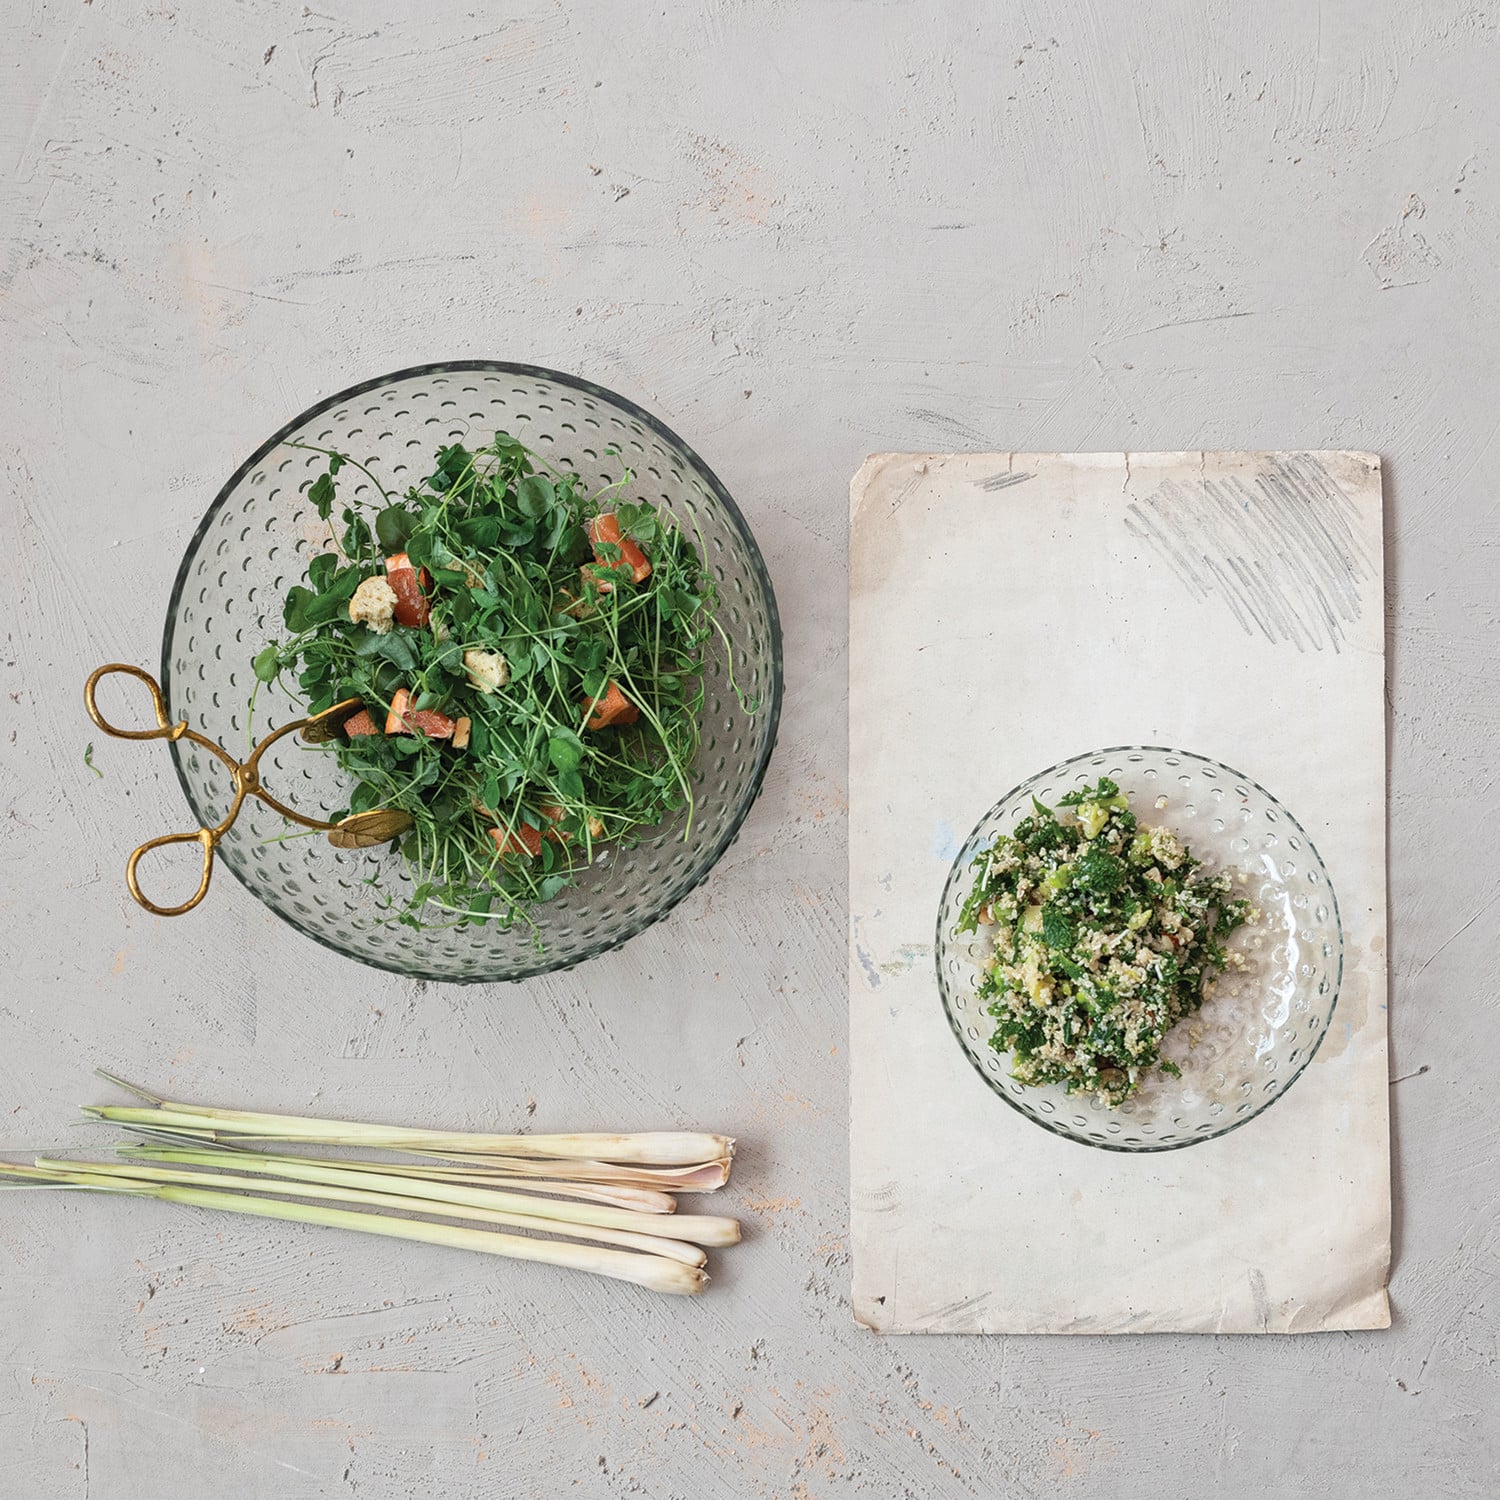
(1099, 873)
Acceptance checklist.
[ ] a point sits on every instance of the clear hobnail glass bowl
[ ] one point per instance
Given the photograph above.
(1260, 1025)
(254, 544)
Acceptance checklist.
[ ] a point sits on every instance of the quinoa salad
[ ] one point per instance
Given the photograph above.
(1103, 935)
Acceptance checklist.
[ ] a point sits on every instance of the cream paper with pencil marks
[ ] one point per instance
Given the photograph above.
(1008, 611)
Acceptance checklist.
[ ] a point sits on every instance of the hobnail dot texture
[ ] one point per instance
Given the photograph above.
(1260, 1026)
(255, 543)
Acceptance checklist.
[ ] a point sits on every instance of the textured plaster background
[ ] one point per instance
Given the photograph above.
(801, 233)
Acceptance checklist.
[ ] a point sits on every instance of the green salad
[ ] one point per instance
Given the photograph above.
(528, 659)
(1105, 936)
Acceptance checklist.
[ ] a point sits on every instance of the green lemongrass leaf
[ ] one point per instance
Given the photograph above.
(656, 1272)
(698, 1229)
(126, 1173)
(702, 1177)
(645, 1197)
(646, 1148)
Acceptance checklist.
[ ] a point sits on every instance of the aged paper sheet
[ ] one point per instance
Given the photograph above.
(1008, 611)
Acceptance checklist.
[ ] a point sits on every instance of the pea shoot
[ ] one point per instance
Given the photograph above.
(530, 660)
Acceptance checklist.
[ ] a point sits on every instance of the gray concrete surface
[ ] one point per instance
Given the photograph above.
(800, 232)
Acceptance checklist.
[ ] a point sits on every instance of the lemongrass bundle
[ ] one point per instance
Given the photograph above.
(594, 1202)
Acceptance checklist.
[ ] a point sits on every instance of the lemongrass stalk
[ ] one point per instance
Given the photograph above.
(644, 1200)
(701, 1177)
(688, 1255)
(697, 1229)
(652, 1271)
(648, 1148)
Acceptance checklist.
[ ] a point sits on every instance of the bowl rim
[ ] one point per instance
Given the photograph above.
(940, 942)
(771, 699)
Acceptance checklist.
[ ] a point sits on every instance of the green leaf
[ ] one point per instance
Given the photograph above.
(294, 611)
(321, 494)
(534, 496)
(1057, 930)
(321, 569)
(394, 646)
(394, 526)
(267, 663)
(565, 750)
(356, 535)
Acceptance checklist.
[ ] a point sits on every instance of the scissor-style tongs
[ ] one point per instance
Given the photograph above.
(361, 831)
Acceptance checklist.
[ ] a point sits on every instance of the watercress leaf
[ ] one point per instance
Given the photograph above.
(340, 588)
(356, 535)
(267, 663)
(574, 547)
(480, 532)
(419, 548)
(294, 611)
(517, 534)
(320, 493)
(321, 569)
(534, 495)
(394, 646)
(489, 794)
(565, 749)
(393, 526)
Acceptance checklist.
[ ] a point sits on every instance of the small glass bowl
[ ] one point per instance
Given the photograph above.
(1260, 1025)
(255, 543)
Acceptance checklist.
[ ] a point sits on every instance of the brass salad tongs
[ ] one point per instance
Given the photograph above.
(359, 831)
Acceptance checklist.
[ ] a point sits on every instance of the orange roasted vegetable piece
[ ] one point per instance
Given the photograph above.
(524, 840)
(607, 529)
(412, 608)
(360, 723)
(403, 719)
(613, 708)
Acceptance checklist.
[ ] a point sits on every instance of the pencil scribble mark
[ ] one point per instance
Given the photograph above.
(1004, 481)
(1280, 549)
(951, 426)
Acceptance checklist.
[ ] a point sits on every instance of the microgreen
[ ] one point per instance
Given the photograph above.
(503, 538)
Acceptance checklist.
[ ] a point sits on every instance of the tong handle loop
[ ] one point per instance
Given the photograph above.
(207, 837)
(165, 728)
